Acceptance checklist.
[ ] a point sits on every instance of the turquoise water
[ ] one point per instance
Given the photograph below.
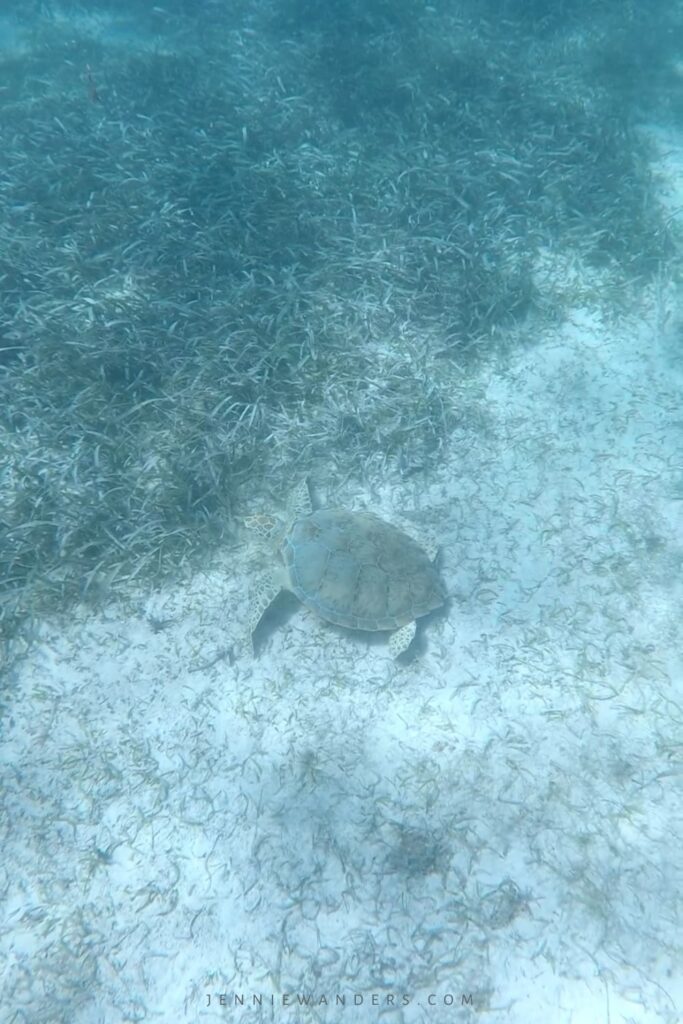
(425, 257)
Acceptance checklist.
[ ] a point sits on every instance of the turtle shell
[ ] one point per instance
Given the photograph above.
(356, 570)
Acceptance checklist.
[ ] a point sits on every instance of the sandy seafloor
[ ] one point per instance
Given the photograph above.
(499, 818)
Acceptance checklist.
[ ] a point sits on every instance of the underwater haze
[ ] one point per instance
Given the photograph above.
(341, 533)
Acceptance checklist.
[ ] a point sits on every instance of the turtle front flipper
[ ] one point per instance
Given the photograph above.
(401, 640)
(299, 503)
(262, 597)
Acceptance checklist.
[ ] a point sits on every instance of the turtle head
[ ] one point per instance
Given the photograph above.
(266, 526)
(274, 529)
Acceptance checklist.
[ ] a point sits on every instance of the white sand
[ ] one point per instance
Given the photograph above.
(501, 817)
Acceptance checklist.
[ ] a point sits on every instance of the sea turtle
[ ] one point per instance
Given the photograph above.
(352, 568)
